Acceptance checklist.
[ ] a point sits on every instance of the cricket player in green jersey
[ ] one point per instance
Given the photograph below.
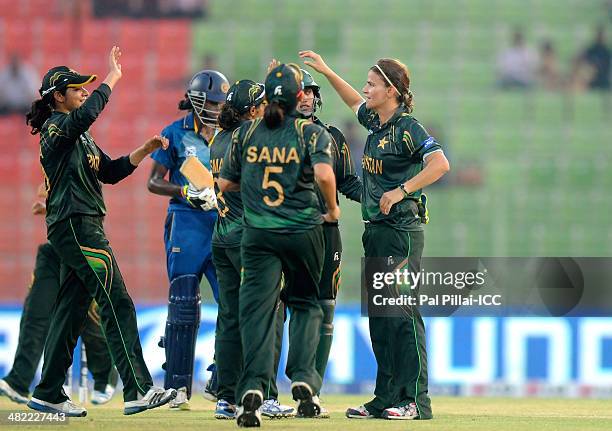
(275, 163)
(75, 168)
(34, 326)
(347, 183)
(400, 158)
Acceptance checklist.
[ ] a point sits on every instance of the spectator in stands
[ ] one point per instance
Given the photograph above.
(516, 65)
(18, 87)
(548, 69)
(592, 66)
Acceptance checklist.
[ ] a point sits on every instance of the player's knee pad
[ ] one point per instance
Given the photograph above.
(329, 307)
(181, 331)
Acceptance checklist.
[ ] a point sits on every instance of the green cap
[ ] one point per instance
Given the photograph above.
(61, 77)
(244, 94)
(283, 84)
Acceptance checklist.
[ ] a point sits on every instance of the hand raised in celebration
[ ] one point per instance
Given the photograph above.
(314, 60)
(113, 62)
(273, 63)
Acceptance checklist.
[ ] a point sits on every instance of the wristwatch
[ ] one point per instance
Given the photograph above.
(403, 189)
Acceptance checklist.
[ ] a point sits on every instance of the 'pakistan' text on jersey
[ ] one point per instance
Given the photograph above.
(347, 181)
(394, 153)
(73, 165)
(184, 142)
(275, 170)
(228, 229)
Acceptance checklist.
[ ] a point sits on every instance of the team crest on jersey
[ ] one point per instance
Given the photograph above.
(190, 151)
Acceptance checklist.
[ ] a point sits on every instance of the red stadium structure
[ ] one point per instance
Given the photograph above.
(156, 65)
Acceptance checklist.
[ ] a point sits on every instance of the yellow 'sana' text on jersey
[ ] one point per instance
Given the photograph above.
(216, 165)
(277, 155)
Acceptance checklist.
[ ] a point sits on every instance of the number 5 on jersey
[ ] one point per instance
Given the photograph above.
(268, 183)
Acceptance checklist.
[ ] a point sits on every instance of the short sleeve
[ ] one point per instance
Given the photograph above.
(232, 161)
(166, 157)
(319, 145)
(416, 141)
(365, 116)
(344, 163)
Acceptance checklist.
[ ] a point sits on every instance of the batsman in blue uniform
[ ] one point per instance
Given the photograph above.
(189, 225)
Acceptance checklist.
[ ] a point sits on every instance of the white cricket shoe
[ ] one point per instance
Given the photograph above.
(155, 397)
(181, 402)
(406, 412)
(99, 398)
(225, 410)
(274, 410)
(67, 407)
(12, 394)
(248, 414)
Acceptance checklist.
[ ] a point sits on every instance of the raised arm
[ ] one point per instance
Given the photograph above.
(348, 94)
(81, 119)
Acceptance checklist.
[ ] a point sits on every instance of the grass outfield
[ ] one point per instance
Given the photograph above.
(473, 414)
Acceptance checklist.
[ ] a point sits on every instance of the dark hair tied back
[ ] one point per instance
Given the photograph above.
(39, 113)
(229, 117)
(274, 115)
(185, 104)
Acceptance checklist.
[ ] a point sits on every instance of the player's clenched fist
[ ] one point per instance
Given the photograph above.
(204, 199)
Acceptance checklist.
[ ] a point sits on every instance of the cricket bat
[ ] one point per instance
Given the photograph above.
(196, 173)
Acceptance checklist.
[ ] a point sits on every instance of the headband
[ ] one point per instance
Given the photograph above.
(387, 78)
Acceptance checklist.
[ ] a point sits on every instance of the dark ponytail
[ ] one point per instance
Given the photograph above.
(229, 117)
(39, 113)
(274, 115)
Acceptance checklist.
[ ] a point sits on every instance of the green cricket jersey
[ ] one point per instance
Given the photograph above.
(393, 154)
(73, 165)
(347, 181)
(275, 170)
(228, 228)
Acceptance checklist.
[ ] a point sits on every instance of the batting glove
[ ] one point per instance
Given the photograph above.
(204, 199)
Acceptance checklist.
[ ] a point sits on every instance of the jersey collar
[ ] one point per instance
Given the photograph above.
(189, 122)
(398, 113)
